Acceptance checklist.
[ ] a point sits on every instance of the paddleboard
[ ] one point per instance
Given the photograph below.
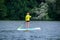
(29, 29)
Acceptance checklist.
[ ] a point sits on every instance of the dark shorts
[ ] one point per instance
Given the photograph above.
(27, 21)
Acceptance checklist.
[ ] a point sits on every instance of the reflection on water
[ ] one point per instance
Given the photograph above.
(50, 30)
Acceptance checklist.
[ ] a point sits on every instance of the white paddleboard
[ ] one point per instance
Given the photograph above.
(29, 29)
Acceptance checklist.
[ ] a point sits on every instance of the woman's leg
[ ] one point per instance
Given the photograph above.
(27, 24)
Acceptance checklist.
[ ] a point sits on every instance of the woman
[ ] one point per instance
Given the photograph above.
(27, 19)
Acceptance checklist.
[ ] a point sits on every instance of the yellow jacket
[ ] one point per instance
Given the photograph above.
(27, 18)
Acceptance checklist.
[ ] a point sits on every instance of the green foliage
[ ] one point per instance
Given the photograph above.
(1, 1)
(17, 9)
(3, 10)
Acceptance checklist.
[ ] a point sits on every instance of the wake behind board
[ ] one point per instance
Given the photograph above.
(29, 29)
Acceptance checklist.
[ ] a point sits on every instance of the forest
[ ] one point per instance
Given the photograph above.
(40, 10)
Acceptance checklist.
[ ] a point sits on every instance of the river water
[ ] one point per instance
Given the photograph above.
(50, 30)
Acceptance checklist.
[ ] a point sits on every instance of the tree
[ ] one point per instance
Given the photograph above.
(3, 10)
